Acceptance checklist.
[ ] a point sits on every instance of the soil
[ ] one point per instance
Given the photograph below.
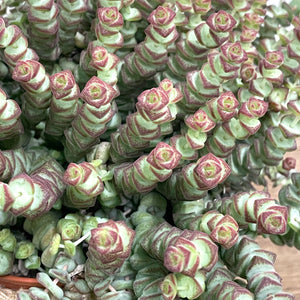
(288, 259)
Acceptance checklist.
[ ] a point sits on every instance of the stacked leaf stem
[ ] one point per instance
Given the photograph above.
(155, 110)
(91, 120)
(44, 25)
(133, 134)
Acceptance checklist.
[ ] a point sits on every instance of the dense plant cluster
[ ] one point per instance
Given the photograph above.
(132, 136)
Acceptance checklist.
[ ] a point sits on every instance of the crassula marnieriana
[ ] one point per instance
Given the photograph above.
(130, 15)
(33, 78)
(220, 284)
(109, 247)
(96, 60)
(153, 273)
(203, 121)
(198, 124)
(110, 23)
(194, 179)
(194, 215)
(92, 118)
(180, 250)
(222, 65)
(144, 62)
(70, 17)
(264, 283)
(193, 49)
(15, 44)
(241, 127)
(64, 105)
(180, 285)
(144, 173)
(34, 194)
(269, 67)
(84, 184)
(10, 123)
(167, 112)
(257, 207)
(44, 26)
(42, 228)
(156, 109)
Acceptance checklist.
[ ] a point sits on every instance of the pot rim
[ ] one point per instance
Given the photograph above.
(18, 282)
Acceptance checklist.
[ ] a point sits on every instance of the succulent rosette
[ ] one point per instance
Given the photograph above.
(152, 101)
(143, 174)
(110, 18)
(144, 62)
(269, 67)
(69, 229)
(248, 72)
(160, 18)
(168, 287)
(33, 77)
(175, 257)
(163, 157)
(92, 118)
(15, 44)
(198, 124)
(248, 35)
(185, 252)
(247, 123)
(109, 247)
(34, 194)
(124, 13)
(155, 111)
(221, 229)
(221, 66)
(97, 92)
(224, 107)
(208, 172)
(249, 113)
(96, 60)
(173, 93)
(221, 21)
(64, 105)
(253, 19)
(110, 22)
(194, 179)
(111, 241)
(251, 22)
(83, 185)
(195, 46)
(183, 286)
(257, 207)
(233, 53)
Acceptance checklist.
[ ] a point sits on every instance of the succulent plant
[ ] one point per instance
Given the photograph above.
(133, 135)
